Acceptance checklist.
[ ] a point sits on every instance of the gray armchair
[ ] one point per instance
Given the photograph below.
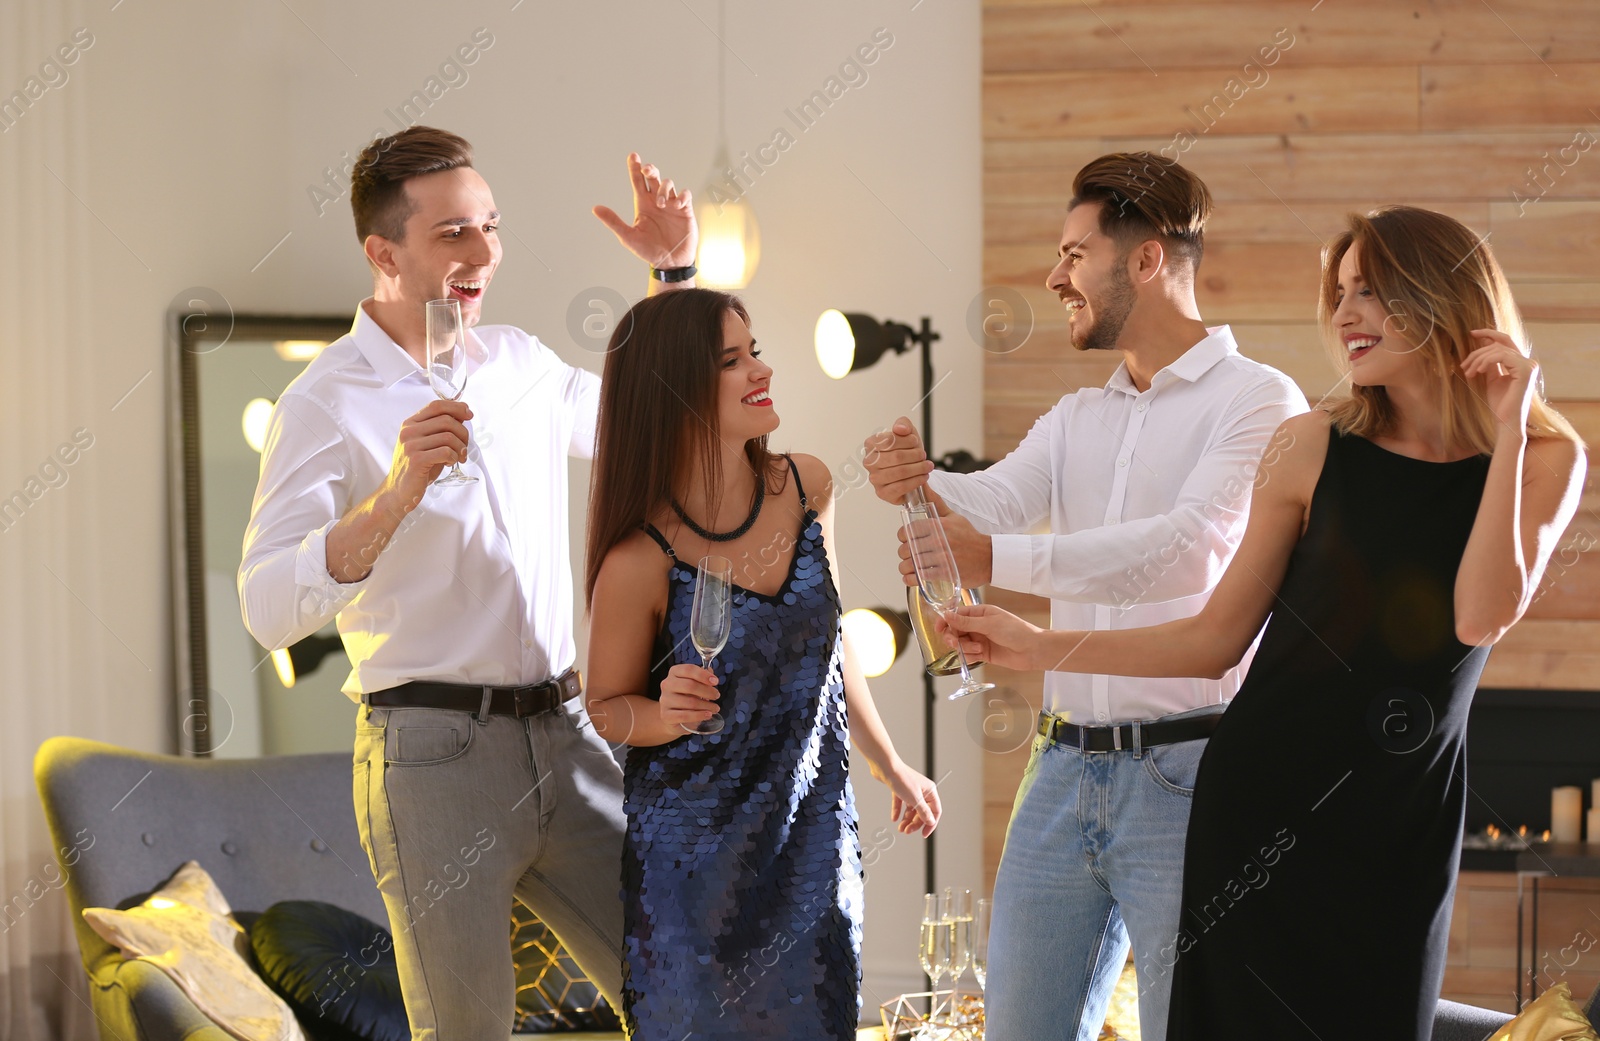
(266, 829)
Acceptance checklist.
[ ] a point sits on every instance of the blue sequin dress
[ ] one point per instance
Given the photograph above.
(741, 873)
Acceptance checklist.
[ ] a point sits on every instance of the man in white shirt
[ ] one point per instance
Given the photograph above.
(477, 774)
(1145, 485)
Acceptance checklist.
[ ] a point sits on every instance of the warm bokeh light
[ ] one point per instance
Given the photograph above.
(256, 416)
(730, 242)
(835, 344)
(285, 666)
(298, 350)
(873, 640)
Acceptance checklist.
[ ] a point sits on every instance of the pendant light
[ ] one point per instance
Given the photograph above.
(730, 241)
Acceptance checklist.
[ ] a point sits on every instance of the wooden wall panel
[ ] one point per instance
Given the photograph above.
(1292, 168)
(1490, 113)
(1051, 34)
(1201, 101)
(1461, 97)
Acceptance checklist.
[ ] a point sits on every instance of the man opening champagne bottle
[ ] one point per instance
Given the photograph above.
(1145, 485)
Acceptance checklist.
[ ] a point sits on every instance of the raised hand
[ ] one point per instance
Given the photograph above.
(1510, 377)
(663, 233)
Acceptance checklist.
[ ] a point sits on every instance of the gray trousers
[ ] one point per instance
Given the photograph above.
(457, 818)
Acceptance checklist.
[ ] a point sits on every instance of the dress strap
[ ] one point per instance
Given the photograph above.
(797, 485)
(666, 547)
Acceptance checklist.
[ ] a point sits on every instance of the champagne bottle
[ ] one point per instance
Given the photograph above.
(939, 656)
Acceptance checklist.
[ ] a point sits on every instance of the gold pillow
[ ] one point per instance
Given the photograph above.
(186, 930)
(1550, 1017)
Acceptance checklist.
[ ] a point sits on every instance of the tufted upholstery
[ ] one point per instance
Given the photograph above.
(266, 829)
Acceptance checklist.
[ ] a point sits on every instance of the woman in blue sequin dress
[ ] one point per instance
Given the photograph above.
(742, 884)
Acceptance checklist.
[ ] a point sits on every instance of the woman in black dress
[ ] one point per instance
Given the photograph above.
(1393, 537)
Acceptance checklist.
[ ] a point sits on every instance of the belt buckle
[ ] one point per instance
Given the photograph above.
(522, 701)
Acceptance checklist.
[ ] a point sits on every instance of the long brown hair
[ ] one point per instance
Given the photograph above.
(658, 416)
(1438, 281)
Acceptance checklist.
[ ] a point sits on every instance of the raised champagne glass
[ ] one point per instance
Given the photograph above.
(447, 365)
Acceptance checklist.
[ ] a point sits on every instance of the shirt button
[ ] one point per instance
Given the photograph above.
(1101, 717)
(1139, 408)
(1122, 462)
(528, 644)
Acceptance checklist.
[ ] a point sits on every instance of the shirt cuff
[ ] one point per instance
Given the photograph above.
(1012, 565)
(320, 593)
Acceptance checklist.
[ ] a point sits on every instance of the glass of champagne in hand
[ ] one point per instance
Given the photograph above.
(447, 365)
(711, 622)
(937, 575)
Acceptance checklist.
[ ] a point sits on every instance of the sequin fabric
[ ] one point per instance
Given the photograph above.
(742, 885)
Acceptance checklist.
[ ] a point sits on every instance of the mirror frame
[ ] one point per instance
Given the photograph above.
(198, 320)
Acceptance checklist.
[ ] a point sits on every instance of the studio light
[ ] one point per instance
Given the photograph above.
(849, 341)
(254, 422)
(879, 635)
(303, 658)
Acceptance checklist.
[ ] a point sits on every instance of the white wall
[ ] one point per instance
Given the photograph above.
(204, 125)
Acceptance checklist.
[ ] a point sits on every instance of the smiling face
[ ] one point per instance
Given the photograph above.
(744, 402)
(1091, 278)
(1374, 338)
(451, 247)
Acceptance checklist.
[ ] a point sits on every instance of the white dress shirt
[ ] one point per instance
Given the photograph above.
(476, 585)
(1146, 496)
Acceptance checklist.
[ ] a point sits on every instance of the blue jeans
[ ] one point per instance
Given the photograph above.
(1093, 859)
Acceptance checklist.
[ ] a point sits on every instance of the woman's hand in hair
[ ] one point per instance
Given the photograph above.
(1510, 377)
(688, 695)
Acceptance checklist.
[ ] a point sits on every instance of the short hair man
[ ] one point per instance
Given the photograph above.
(1145, 484)
(477, 774)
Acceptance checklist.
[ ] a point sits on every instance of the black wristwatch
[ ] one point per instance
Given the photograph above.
(673, 274)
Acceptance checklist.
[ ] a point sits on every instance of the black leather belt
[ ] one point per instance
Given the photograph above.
(532, 700)
(1120, 737)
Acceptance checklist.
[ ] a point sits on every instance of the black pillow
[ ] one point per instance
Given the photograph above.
(334, 968)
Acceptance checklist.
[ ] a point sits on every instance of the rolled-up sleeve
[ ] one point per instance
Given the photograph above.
(306, 486)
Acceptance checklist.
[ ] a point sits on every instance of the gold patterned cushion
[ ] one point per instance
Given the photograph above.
(186, 929)
(1550, 1017)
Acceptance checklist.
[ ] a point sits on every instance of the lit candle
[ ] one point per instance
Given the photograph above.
(1594, 792)
(1592, 835)
(1566, 814)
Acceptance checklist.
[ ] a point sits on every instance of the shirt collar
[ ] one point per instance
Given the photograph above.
(388, 359)
(1189, 366)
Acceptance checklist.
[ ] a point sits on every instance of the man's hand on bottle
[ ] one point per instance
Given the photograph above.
(896, 462)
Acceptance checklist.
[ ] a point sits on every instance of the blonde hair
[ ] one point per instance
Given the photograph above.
(1438, 281)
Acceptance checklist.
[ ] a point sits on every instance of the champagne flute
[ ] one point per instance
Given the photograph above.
(960, 935)
(980, 941)
(711, 622)
(937, 574)
(934, 950)
(447, 364)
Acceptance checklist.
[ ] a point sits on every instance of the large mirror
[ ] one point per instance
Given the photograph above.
(234, 698)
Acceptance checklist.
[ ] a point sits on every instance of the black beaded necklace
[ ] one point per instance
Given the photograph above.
(726, 536)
